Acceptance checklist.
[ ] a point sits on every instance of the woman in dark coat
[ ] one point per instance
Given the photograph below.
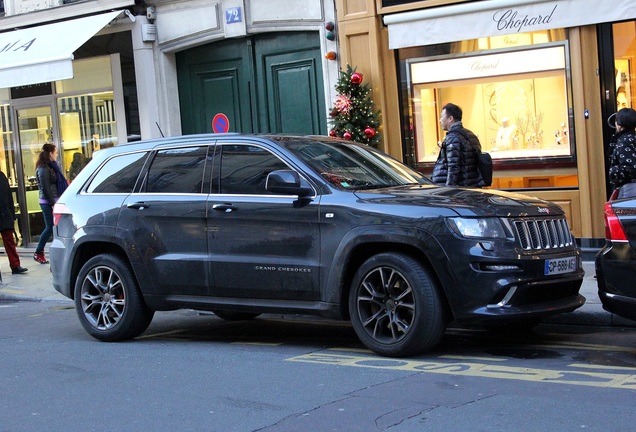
(622, 158)
(7, 227)
(51, 185)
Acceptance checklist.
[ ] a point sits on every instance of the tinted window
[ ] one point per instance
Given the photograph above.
(347, 165)
(119, 174)
(244, 169)
(178, 171)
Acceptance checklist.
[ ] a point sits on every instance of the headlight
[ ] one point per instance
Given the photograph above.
(484, 228)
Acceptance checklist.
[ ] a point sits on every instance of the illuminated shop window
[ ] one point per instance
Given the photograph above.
(514, 91)
(86, 111)
(516, 102)
(624, 52)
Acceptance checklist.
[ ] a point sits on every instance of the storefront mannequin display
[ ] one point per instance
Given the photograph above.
(505, 134)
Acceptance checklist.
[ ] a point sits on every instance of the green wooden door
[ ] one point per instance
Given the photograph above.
(266, 83)
(215, 79)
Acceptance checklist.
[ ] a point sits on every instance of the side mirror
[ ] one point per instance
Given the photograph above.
(286, 182)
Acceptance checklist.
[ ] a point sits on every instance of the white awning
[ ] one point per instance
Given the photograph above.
(45, 53)
(486, 18)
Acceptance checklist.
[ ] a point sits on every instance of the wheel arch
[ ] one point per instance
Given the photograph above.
(356, 248)
(86, 250)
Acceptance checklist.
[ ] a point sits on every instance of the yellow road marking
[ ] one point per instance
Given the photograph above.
(475, 369)
(11, 291)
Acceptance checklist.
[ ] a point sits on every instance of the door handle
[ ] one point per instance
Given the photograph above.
(138, 205)
(227, 208)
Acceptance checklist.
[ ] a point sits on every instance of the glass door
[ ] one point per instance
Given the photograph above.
(617, 50)
(35, 128)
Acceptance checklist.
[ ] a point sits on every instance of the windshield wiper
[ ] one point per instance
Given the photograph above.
(372, 186)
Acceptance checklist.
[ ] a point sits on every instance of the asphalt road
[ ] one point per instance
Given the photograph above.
(195, 372)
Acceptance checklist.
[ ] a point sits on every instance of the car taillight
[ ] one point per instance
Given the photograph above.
(58, 210)
(613, 228)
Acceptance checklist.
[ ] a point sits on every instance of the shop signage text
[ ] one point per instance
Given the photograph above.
(507, 20)
(489, 65)
(17, 45)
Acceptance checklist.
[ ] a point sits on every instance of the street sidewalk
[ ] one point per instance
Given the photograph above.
(36, 285)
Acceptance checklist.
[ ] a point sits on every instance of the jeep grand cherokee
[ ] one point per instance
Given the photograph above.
(243, 225)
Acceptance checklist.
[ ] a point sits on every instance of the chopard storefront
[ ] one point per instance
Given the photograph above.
(537, 81)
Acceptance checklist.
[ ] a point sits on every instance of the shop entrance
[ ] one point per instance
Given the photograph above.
(270, 83)
(617, 46)
(35, 128)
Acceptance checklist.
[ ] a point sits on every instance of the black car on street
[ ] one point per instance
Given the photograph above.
(616, 261)
(243, 225)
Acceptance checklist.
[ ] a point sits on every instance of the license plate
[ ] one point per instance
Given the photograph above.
(560, 265)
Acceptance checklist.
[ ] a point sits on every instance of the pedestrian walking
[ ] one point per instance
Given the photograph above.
(456, 163)
(7, 225)
(51, 185)
(622, 160)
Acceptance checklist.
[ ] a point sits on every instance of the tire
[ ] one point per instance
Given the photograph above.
(235, 316)
(108, 301)
(395, 307)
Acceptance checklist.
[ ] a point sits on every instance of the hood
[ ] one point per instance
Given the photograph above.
(465, 202)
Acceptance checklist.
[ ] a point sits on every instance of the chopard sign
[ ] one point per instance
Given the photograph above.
(509, 19)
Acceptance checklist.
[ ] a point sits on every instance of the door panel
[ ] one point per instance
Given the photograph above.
(35, 128)
(167, 220)
(261, 245)
(291, 74)
(265, 83)
(215, 79)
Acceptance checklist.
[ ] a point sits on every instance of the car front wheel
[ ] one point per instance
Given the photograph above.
(108, 301)
(395, 307)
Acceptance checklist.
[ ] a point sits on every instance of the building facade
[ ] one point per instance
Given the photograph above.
(88, 74)
(537, 80)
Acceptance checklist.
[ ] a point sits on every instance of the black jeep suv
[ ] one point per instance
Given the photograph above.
(243, 225)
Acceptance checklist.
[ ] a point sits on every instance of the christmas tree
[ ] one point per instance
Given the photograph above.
(352, 116)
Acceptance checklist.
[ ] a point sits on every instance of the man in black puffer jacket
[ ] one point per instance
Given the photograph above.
(456, 164)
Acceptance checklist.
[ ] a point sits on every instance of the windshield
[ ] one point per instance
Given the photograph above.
(348, 165)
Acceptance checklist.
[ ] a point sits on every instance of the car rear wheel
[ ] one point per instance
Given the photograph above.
(395, 307)
(108, 301)
(235, 316)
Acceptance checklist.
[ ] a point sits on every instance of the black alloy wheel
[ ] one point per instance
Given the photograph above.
(108, 302)
(395, 307)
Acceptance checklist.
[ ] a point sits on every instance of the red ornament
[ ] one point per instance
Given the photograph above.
(332, 133)
(347, 135)
(356, 78)
(369, 132)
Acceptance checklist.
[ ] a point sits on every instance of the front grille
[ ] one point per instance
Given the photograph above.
(535, 234)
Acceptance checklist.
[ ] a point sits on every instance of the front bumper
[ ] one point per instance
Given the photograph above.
(501, 285)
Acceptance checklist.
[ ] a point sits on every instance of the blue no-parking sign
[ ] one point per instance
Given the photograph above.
(220, 123)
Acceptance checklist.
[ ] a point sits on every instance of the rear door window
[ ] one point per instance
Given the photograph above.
(119, 174)
(180, 170)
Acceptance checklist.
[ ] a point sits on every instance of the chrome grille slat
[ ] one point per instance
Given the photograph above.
(543, 233)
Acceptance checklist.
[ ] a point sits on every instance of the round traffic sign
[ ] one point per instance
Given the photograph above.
(220, 123)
